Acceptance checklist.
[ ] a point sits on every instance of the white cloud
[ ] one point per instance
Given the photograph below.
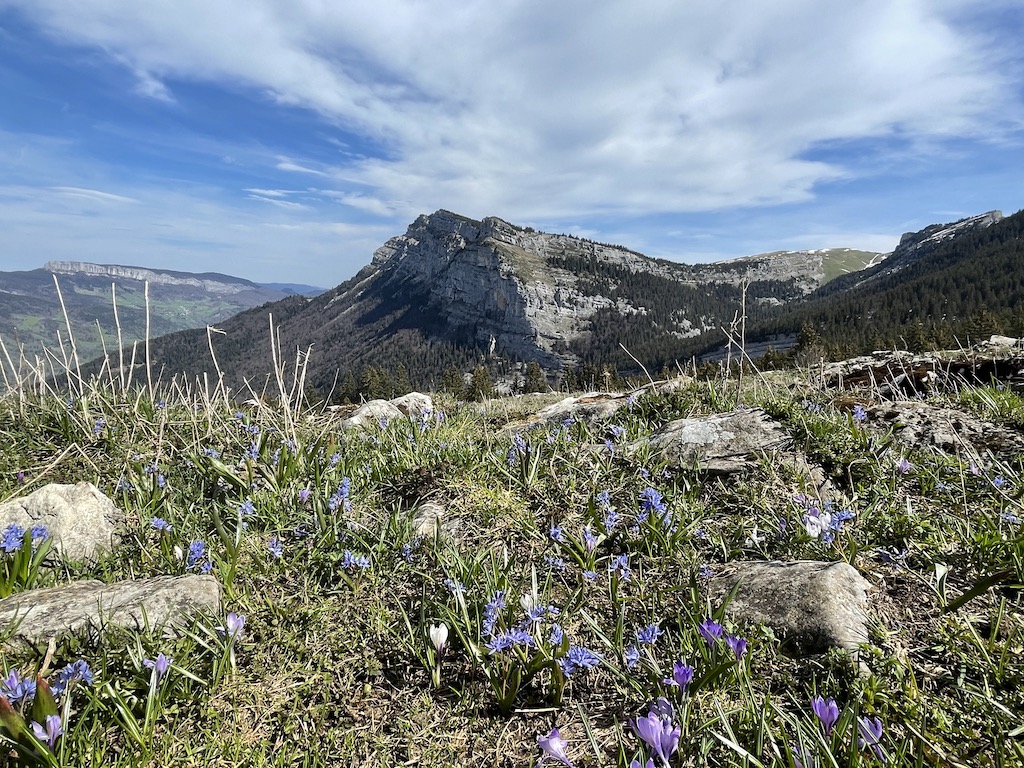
(538, 110)
(93, 195)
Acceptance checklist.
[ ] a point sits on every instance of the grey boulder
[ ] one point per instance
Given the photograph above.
(723, 443)
(79, 517)
(812, 606)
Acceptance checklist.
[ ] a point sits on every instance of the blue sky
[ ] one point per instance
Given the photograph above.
(285, 140)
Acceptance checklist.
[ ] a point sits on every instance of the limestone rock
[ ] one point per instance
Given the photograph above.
(918, 424)
(413, 404)
(812, 606)
(427, 519)
(33, 617)
(591, 408)
(372, 412)
(79, 517)
(722, 443)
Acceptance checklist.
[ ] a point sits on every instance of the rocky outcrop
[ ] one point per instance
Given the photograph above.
(211, 283)
(79, 518)
(32, 618)
(723, 443)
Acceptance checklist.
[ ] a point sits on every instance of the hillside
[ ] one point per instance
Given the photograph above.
(948, 284)
(32, 316)
(452, 291)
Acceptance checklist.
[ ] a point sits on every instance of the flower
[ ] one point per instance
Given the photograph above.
(682, 675)
(553, 745)
(439, 637)
(631, 656)
(304, 494)
(636, 764)
(274, 545)
(859, 414)
(51, 732)
(649, 634)
(658, 731)
(233, 625)
(827, 711)
(160, 524)
(15, 688)
(871, 735)
(738, 645)
(159, 665)
(76, 670)
(903, 466)
(13, 537)
(589, 539)
(620, 567)
(710, 630)
(577, 658)
(556, 533)
(196, 554)
(349, 560)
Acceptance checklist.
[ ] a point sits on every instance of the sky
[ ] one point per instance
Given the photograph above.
(285, 140)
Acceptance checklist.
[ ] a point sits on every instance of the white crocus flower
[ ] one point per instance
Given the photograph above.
(439, 637)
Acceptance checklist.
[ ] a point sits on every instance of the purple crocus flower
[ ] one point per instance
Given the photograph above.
(51, 732)
(711, 631)
(871, 735)
(682, 675)
(827, 711)
(159, 665)
(636, 764)
(738, 645)
(304, 494)
(658, 731)
(553, 745)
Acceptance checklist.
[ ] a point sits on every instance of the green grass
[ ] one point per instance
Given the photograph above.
(334, 665)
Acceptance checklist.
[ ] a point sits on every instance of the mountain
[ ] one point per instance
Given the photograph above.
(453, 290)
(947, 284)
(32, 316)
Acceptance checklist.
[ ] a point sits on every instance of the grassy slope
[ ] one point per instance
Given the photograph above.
(332, 667)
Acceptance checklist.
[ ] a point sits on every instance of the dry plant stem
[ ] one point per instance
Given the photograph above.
(71, 336)
(646, 373)
(120, 340)
(149, 372)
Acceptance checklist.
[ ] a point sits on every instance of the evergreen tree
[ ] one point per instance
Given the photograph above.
(480, 385)
(535, 380)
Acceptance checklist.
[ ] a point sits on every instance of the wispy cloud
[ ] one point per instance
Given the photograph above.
(94, 195)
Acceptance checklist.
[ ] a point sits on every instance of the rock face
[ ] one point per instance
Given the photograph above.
(723, 443)
(34, 617)
(591, 408)
(919, 424)
(812, 606)
(79, 517)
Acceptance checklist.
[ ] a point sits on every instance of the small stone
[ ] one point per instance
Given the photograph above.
(812, 606)
(427, 519)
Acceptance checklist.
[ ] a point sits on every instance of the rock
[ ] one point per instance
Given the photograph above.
(722, 443)
(34, 617)
(427, 519)
(372, 412)
(79, 517)
(917, 424)
(812, 606)
(413, 404)
(590, 408)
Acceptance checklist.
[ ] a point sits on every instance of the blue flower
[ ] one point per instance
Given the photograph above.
(340, 497)
(576, 658)
(589, 539)
(274, 545)
(13, 538)
(620, 567)
(491, 611)
(682, 675)
(738, 645)
(859, 414)
(649, 634)
(195, 557)
(557, 635)
(556, 533)
(350, 561)
(15, 688)
(631, 656)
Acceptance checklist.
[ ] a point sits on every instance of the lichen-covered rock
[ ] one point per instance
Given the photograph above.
(373, 412)
(722, 443)
(34, 617)
(590, 408)
(413, 404)
(810, 605)
(81, 520)
(918, 424)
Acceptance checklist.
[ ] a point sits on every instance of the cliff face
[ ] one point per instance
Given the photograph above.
(221, 284)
